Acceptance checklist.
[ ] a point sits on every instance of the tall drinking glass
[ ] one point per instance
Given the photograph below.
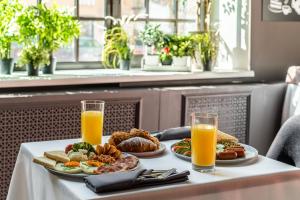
(92, 114)
(204, 140)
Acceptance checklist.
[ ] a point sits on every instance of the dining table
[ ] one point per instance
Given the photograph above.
(260, 178)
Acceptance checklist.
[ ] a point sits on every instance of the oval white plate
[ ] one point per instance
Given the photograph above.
(250, 153)
(161, 149)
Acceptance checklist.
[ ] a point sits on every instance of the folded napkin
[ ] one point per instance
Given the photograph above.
(174, 133)
(133, 179)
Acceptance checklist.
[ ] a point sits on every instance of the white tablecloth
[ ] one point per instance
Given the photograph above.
(265, 179)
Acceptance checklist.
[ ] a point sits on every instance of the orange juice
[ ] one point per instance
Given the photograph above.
(204, 139)
(92, 126)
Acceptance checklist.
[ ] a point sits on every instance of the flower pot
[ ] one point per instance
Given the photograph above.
(32, 70)
(180, 61)
(167, 61)
(207, 66)
(124, 64)
(7, 65)
(152, 60)
(49, 69)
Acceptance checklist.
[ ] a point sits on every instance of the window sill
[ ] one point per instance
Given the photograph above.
(111, 76)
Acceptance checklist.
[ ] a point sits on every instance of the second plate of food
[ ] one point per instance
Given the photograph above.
(182, 150)
(137, 142)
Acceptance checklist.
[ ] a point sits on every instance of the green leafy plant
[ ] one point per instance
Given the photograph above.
(116, 47)
(59, 27)
(206, 44)
(34, 55)
(182, 46)
(9, 10)
(151, 35)
(50, 28)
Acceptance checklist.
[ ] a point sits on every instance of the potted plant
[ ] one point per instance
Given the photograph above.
(34, 57)
(8, 33)
(117, 52)
(182, 50)
(125, 57)
(206, 44)
(58, 28)
(151, 36)
(116, 42)
(166, 57)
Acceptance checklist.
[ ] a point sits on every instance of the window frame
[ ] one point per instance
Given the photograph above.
(112, 8)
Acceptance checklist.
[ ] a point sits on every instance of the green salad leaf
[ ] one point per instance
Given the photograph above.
(83, 145)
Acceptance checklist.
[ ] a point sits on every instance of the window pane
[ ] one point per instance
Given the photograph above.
(133, 7)
(185, 28)
(91, 40)
(166, 27)
(133, 30)
(164, 9)
(66, 54)
(67, 5)
(233, 52)
(91, 8)
(187, 9)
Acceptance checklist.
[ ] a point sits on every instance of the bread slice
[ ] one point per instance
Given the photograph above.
(224, 137)
(44, 161)
(59, 156)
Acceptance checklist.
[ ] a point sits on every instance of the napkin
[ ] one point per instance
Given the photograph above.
(132, 179)
(174, 133)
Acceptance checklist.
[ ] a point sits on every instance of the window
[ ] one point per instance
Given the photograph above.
(174, 16)
(231, 18)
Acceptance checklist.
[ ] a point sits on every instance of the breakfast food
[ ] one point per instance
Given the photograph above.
(84, 158)
(224, 137)
(117, 137)
(122, 164)
(137, 140)
(137, 144)
(71, 167)
(108, 149)
(44, 161)
(227, 155)
(144, 134)
(228, 147)
(59, 156)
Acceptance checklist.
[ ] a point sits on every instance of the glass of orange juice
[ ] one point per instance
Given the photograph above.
(204, 140)
(92, 114)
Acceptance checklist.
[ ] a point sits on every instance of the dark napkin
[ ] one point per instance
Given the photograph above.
(174, 133)
(112, 181)
(132, 179)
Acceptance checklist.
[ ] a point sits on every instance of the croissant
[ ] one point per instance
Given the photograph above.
(144, 134)
(117, 137)
(137, 144)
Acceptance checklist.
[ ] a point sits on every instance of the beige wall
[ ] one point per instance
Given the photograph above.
(274, 45)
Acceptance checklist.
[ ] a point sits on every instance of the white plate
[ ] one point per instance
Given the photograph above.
(82, 175)
(161, 149)
(250, 153)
